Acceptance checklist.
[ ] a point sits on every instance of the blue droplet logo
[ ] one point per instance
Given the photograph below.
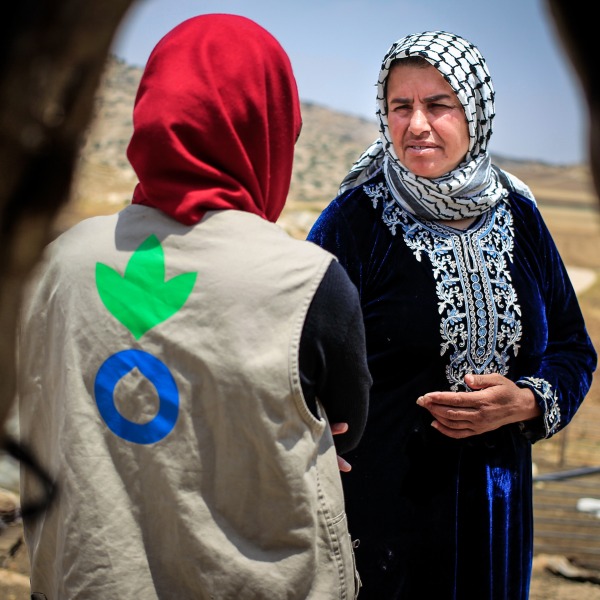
(107, 378)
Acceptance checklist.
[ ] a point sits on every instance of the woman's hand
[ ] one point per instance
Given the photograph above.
(495, 401)
(336, 429)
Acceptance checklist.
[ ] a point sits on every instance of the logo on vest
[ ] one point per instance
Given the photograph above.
(140, 299)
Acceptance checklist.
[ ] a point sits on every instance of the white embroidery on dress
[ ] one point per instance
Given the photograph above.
(544, 390)
(391, 211)
(480, 322)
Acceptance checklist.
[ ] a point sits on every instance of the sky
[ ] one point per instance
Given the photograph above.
(336, 48)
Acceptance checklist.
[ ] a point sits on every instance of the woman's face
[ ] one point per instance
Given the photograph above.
(426, 120)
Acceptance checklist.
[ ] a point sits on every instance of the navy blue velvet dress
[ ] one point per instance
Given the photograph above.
(437, 517)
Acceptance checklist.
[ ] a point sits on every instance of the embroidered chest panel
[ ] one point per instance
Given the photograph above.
(480, 324)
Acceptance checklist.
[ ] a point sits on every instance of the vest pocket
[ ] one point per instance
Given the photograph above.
(349, 576)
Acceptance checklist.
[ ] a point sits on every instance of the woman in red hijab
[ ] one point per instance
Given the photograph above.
(180, 361)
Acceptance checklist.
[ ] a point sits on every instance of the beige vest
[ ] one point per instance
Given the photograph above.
(159, 381)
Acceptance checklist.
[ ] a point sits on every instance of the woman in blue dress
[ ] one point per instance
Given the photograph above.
(476, 341)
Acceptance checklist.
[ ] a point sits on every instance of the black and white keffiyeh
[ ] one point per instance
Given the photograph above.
(473, 187)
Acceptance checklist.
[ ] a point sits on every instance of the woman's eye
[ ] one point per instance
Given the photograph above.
(442, 107)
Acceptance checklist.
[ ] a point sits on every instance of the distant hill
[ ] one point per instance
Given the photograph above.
(329, 143)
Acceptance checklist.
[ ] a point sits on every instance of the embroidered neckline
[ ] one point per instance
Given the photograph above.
(480, 325)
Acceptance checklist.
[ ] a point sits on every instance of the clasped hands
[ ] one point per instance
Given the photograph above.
(495, 401)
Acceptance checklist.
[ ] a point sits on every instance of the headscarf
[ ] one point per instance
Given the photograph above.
(215, 121)
(472, 187)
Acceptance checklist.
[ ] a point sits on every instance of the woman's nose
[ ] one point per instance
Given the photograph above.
(419, 122)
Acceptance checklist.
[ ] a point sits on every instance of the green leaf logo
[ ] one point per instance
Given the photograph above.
(141, 298)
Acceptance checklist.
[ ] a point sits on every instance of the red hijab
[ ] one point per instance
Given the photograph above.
(215, 121)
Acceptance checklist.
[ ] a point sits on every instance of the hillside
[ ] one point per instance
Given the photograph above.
(329, 143)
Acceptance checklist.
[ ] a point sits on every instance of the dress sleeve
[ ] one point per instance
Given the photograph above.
(333, 362)
(564, 375)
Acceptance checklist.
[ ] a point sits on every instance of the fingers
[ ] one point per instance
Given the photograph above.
(448, 401)
(494, 401)
(451, 432)
(456, 416)
(338, 428)
(454, 423)
(479, 382)
(343, 465)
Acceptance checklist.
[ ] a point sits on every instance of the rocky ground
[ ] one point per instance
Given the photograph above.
(554, 578)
